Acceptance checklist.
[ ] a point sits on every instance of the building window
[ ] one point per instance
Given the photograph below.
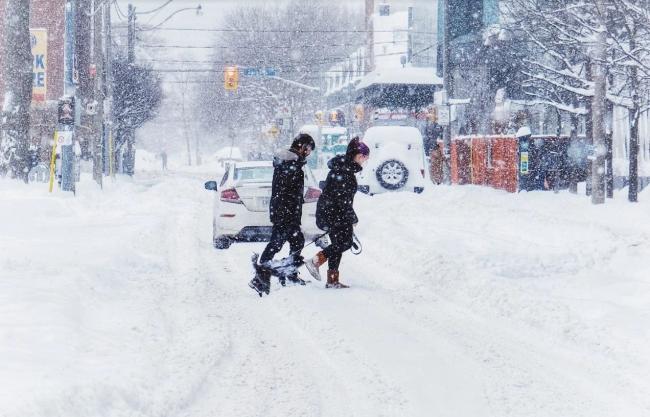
(466, 17)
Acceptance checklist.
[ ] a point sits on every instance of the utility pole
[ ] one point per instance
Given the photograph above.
(70, 91)
(130, 133)
(448, 87)
(97, 64)
(370, 44)
(131, 34)
(598, 111)
(108, 85)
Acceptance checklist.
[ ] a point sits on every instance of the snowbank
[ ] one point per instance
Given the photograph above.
(466, 301)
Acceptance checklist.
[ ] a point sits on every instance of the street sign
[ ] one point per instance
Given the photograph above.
(259, 72)
(443, 115)
(64, 138)
(523, 163)
(39, 52)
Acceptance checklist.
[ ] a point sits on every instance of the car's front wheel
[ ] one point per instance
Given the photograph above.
(392, 174)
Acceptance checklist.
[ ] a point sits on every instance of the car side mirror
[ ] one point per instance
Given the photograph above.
(321, 184)
(211, 185)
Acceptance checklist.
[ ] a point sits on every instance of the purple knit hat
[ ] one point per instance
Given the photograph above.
(356, 147)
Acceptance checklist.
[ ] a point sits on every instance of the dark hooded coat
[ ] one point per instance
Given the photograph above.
(335, 205)
(287, 189)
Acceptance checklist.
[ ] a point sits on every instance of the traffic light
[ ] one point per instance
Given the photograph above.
(319, 117)
(358, 113)
(334, 117)
(231, 78)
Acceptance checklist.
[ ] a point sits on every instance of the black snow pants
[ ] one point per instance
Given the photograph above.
(341, 238)
(279, 235)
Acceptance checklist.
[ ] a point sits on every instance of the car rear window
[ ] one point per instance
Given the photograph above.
(254, 174)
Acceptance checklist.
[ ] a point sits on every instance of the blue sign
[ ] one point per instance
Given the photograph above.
(259, 72)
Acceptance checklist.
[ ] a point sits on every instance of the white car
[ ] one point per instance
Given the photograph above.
(396, 160)
(241, 204)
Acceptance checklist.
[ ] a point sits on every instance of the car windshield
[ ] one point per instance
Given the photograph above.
(264, 173)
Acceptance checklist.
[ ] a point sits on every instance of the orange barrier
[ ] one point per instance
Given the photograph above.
(485, 160)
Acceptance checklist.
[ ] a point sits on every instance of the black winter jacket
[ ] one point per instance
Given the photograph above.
(334, 207)
(287, 189)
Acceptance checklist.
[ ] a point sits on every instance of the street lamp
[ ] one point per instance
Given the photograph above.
(198, 9)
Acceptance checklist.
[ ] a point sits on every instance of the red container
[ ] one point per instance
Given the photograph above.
(504, 162)
(485, 160)
(461, 157)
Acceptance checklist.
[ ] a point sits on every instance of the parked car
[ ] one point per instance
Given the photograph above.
(241, 204)
(396, 160)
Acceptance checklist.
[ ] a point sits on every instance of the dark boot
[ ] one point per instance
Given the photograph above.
(262, 282)
(333, 280)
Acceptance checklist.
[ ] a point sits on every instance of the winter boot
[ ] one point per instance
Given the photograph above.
(262, 282)
(333, 280)
(314, 263)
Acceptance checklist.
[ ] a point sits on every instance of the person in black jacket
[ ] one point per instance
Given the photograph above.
(334, 211)
(286, 201)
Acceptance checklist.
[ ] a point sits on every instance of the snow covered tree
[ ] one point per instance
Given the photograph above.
(299, 40)
(137, 94)
(18, 73)
(629, 32)
(570, 42)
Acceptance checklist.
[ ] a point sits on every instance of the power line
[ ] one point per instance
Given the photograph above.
(267, 46)
(293, 31)
(120, 14)
(334, 60)
(228, 63)
(146, 29)
(157, 8)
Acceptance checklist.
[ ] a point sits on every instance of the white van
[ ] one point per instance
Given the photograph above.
(396, 160)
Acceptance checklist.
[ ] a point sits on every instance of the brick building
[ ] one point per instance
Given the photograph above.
(50, 16)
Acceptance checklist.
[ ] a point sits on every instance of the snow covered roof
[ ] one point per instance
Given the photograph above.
(523, 131)
(253, 164)
(407, 75)
(229, 152)
(400, 134)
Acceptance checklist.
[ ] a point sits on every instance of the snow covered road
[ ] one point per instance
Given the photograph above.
(465, 302)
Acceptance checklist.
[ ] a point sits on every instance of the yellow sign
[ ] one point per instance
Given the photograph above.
(39, 52)
(53, 160)
(274, 131)
(523, 166)
(319, 117)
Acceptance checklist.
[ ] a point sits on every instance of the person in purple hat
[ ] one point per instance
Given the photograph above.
(334, 211)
